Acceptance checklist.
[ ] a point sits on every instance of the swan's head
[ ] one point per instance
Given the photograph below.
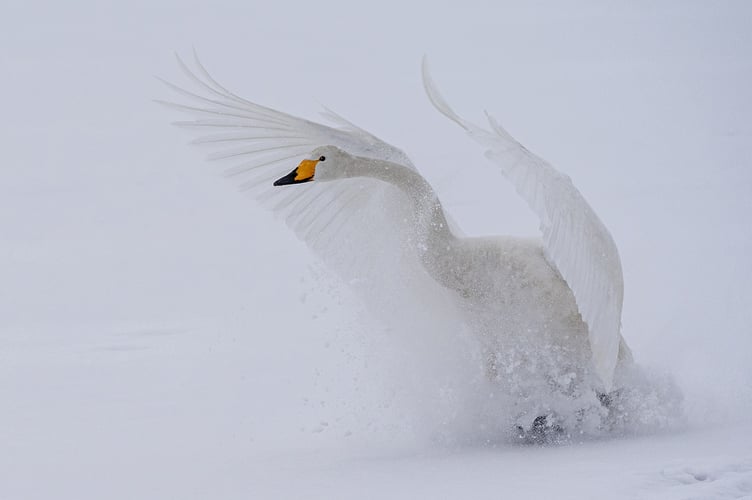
(326, 163)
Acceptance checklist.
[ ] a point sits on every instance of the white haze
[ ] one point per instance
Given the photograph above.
(161, 336)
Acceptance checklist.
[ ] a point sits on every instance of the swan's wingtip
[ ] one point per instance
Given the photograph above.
(424, 63)
(425, 73)
(436, 98)
(196, 58)
(178, 58)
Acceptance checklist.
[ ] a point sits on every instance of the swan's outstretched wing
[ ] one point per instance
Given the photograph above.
(353, 225)
(575, 239)
(263, 137)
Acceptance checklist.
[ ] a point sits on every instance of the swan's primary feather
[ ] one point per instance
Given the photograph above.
(576, 241)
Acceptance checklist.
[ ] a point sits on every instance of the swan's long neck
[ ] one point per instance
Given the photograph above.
(429, 233)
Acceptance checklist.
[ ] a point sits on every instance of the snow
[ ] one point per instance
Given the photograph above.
(163, 337)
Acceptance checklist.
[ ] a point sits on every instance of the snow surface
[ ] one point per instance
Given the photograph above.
(163, 337)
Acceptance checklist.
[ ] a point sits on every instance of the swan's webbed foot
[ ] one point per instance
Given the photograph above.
(615, 412)
(544, 430)
(607, 399)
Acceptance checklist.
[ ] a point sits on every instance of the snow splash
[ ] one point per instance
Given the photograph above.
(434, 375)
(446, 382)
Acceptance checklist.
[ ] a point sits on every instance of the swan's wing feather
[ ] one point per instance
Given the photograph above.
(224, 117)
(350, 224)
(575, 240)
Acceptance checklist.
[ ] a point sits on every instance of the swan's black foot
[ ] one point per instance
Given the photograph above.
(606, 399)
(615, 414)
(545, 430)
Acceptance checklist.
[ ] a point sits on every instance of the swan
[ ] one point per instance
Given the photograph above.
(546, 311)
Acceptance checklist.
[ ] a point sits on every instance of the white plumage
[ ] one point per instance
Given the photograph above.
(547, 312)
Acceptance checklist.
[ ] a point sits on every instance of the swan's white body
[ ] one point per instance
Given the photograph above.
(546, 311)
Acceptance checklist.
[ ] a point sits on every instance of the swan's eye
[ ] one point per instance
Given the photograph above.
(322, 158)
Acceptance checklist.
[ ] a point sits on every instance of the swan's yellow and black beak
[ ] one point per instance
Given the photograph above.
(303, 173)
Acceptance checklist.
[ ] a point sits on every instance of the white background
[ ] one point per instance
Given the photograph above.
(161, 336)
